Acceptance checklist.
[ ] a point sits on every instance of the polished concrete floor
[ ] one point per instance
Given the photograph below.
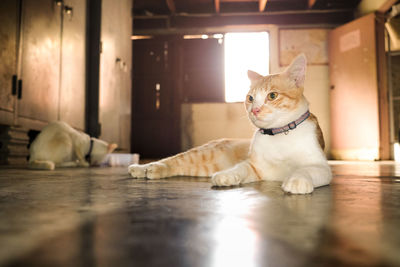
(101, 217)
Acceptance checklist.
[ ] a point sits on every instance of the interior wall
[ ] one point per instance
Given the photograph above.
(115, 73)
(317, 93)
(203, 122)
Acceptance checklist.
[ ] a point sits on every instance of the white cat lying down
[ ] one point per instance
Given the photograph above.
(287, 146)
(60, 145)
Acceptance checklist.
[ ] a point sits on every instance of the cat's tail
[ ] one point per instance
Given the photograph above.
(41, 165)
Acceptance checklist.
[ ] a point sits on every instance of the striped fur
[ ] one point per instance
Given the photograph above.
(295, 158)
(204, 160)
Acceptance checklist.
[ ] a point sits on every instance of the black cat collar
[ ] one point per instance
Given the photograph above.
(88, 156)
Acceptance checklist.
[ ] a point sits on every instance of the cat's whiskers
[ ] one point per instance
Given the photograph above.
(243, 116)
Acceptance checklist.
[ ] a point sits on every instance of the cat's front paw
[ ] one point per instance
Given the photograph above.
(298, 185)
(155, 170)
(137, 171)
(225, 179)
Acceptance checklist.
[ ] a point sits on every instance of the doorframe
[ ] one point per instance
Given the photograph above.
(383, 92)
(93, 50)
(386, 135)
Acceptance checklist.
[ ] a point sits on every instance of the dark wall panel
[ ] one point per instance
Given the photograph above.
(203, 70)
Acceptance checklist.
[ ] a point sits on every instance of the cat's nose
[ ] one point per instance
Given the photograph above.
(255, 111)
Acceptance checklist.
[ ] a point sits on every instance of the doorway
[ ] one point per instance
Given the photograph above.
(192, 70)
(155, 99)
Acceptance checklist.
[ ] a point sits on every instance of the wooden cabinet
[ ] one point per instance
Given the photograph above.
(45, 48)
(8, 57)
(43, 43)
(40, 60)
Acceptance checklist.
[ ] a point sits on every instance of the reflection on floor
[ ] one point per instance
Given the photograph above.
(101, 217)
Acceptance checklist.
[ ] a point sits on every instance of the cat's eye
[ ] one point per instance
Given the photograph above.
(272, 96)
(250, 98)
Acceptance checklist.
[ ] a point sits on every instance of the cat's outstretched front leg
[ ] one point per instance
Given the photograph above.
(305, 179)
(154, 170)
(200, 161)
(241, 173)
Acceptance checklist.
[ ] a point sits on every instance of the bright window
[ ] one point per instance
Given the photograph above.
(244, 51)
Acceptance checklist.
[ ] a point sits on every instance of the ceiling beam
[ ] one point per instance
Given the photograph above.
(217, 5)
(311, 3)
(261, 5)
(171, 6)
(149, 25)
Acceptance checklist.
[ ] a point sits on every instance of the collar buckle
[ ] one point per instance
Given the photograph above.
(267, 131)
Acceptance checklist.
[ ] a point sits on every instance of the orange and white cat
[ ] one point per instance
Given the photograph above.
(287, 146)
(60, 145)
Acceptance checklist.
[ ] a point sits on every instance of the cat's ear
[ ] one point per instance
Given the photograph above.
(111, 148)
(253, 76)
(297, 70)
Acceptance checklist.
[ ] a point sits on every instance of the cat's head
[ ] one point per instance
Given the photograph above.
(99, 151)
(277, 99)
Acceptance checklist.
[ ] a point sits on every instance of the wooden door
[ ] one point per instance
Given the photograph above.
(72, 84)
(155, 100)
(357, 115)
(203, 70)
(9, 13)
(40, 64)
